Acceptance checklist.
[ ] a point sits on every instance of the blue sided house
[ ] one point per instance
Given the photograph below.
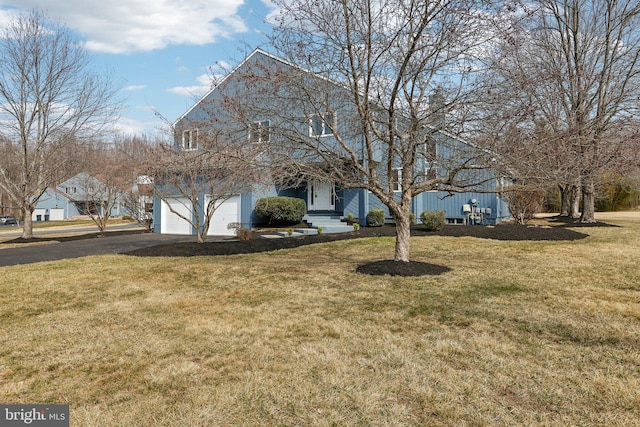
(327, 199)
(72, 198)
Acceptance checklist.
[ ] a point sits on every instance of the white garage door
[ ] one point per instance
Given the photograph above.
(171, 223)
(226, 213)
(57, 214)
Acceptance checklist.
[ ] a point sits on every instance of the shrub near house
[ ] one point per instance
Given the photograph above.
(433, 220)
(375, 218)
(281, 210)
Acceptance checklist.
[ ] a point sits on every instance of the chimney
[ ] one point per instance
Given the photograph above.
(437, 109)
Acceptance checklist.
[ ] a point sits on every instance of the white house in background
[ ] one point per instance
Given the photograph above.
(71, 198)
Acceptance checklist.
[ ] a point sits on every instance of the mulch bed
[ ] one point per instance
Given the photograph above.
(506, 231)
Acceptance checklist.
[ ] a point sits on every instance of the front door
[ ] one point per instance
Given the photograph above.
(321, 196)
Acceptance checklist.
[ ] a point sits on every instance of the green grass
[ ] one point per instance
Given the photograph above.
(517, 333)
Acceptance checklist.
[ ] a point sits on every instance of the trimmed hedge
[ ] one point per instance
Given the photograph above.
(433, 220)
(281, 210)
(375, 218)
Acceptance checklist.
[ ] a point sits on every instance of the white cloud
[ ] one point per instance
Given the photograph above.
(134, 87)
(126, 26)
(6, 17)
(205, 83)
(274, 11)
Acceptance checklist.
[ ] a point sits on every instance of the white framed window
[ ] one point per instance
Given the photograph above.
(396, 179)
(322, 124)
(190, 139)
(259, 132)
(430, 149)
(431, 170)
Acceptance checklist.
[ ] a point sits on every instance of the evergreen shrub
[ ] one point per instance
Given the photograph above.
(375, 218)
(433, 220)
(281, 210)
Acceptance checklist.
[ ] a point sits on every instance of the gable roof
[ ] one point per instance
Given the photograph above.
(227, 76)
(259, 51)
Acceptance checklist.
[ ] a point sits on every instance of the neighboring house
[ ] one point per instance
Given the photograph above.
(71, 198)
(324, 197)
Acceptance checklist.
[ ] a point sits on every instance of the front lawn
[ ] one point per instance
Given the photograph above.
(516, 333)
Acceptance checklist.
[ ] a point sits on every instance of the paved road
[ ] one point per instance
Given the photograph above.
(85, 247)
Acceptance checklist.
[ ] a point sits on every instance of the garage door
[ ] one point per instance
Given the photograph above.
(227, 212)
(57, 214)
(171, 223)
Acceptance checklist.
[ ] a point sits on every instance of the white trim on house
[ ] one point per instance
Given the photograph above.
(322, 124)
(189, 139)
(259, 131)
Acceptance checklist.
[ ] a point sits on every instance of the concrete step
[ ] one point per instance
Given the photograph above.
(306, 231)
(336, 229)
(286, 234)
(329, 223)
(332, 216)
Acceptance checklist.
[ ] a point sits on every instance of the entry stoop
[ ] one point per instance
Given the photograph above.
(329, 223)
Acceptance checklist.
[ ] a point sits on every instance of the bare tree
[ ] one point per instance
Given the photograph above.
(98, 198)
(572, 67)
(138, 201)
(49, 99)
(137, 197)
(363, 101)
(112, 173)
(214, 167)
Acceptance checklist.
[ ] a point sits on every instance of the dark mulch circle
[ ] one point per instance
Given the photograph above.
(404, 269)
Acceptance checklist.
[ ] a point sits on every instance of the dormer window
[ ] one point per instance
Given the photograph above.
(190, 139)
(322, 124)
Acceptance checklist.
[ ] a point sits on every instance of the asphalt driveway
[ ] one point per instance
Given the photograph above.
(115, 244)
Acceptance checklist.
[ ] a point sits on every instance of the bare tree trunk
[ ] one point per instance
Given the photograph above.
(565, 199)
(574, 211)
(403, 239)
(588, 201)
(401, 216)
(27, 222)
(570, 200)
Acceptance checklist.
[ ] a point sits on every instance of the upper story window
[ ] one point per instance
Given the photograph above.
(190, 139)
(430, 149)
(322, 124)
(396, 179)
(431, 155)
(431, 170)
(259, 131)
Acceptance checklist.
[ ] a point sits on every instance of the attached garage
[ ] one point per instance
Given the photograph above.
(171, 223)
(227, 212)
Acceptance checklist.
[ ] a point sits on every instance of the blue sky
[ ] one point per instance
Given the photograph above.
(164, 51)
